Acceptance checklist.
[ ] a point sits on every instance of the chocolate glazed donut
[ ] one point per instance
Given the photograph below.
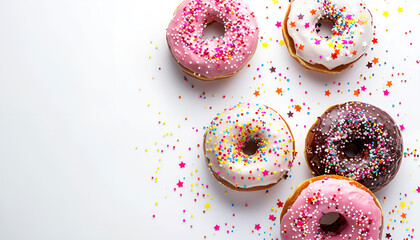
(355, 140)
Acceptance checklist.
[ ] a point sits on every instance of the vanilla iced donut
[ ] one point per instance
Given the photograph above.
(249, 147)
(214, 58)
(351, 34)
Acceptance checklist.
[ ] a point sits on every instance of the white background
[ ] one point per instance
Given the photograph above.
(88, 121)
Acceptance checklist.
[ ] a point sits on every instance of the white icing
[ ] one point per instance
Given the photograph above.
(229, 131)
(351, 43)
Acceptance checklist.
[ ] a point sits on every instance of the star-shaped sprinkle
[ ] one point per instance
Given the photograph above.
(297, 108)
(369, 65)
(313, 11)
(275, 1)
(385, 13)
(278, 24)
(272, 217)
(301, 46)
(281, 42)
(388, 83)
(272, 69)
(375, 60)
(180, 184)
(374, 40)
(290, 114)
(265, 44)
(216, 228)
(402, 205)
(356, 92)
(364, 44)
(292, 24)
(388, 235)
(386, 92)
(402, 127)
(265, 173)
(279, 90)
(363, 88)
(257, 93)
(207, 206)
(418, 189)
(257, 227)
(280, 203)
(300, 16)
(182, 165)
(327, 93)
(400, 9)
(404, 215)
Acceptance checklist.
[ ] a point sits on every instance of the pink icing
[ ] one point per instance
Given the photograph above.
(214, 57)
(363, 216)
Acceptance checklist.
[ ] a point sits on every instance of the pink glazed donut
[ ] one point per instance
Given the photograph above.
(331, 207)
(213, 58)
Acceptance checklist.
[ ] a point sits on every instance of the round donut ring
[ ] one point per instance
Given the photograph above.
(351, 34)
(213, 58)
(355, 140)
(228, 136)
(360, 213)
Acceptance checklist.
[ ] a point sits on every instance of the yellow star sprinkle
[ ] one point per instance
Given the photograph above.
(386, 13)
(264, 44)
(207, 206)
(400, 10)
(402, 205)
(275, 1)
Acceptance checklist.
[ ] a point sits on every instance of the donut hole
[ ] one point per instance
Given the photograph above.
(250, 147)
(353, 148)
(324, 27)
(332, 223)
(213, 30)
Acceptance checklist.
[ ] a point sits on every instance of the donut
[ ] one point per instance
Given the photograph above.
(355, 140)
(331, 207)
(352, 32)
(214, 58)
(249, 147)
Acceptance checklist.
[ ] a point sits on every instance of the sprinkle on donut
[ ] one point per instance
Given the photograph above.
(228, 147)
(213, 58)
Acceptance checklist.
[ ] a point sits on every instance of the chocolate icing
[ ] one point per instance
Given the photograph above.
(370, 136)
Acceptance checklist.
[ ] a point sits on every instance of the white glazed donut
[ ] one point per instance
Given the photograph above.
(352, 32)
(235, 131)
